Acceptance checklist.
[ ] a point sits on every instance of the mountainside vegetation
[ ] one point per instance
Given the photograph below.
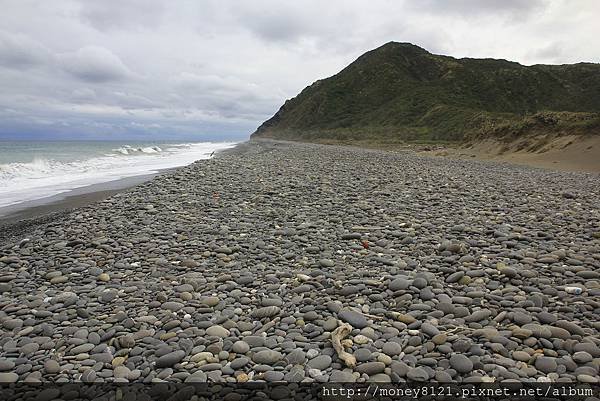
(400, 91)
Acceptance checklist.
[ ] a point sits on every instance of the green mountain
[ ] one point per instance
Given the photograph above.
(400, 91)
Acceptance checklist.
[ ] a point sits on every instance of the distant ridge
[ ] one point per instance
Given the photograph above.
(400, 91)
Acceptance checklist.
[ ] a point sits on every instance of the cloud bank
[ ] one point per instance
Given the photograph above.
(133, 69)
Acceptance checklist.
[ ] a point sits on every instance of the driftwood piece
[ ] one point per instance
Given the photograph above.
(337, 336)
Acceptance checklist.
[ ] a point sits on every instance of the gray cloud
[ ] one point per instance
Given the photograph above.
(19, 51)
(109, 15)
(477, 8)
(218, 68)
(94, 64)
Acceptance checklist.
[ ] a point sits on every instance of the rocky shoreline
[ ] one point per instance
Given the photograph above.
(243, 267)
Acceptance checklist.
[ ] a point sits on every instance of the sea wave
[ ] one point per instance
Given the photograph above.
(128, 150)
(44, 177)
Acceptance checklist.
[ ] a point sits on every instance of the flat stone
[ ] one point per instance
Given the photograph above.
(391, 348)
(398, 284)
(6, 365)
(217, 331)
(170, 359)
(172, 306)
(371, 368)
(240, 347)
(320, 362)
(340, 376)
(417, 374)
(10, 377)
(355, 319)
(267, 311)
(546, 364)
(267, 357)
(461, 363)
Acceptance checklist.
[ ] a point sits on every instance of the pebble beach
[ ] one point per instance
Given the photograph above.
(252, 265)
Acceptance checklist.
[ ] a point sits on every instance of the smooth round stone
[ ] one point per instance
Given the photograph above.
(267, 357)
(330, 324)
(9, 377)
(6, 364)
(461, 363)
(588, 347)
(507, 271)
(254, 341)
(81, 349)
(202, 356)
(545, 364)
(479, 315)
(296, 357)
(371, 368)
(172, 306)
(29, 348)
(439, 339)
(355, 319)
(419, 283)
(521, 318)
(429, 329)
(385, 359)
(442, 376)
(51, 366)
(398, 284)
(320, 362)
(210, 301)
(103, 277)
(392, 348)
(521, 356)
(267, 311)
(417, 374)
(360, 339)
(454, 277)
(81, 334)
(127, 341)
(272, 301)
(88, 376)
(121, 372)
(273, 376)
(211, 367)
(570, 327)
(59, 279)
(217, 331)
(240, 347)
(312, 353)
(380, 378)
(461, 345)
(11, 324)
(326, 263)
(363, 355)
(583, 378)
(546, 317)
(239, 363)
(582, 357)
(170, 359)
(340, 376)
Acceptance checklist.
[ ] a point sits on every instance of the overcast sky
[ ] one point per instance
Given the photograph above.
(126, 69)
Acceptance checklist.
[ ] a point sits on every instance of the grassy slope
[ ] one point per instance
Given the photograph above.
(402, 92)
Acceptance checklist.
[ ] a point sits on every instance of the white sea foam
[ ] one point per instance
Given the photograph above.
(41, 178)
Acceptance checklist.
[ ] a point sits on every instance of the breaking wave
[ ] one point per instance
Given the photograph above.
(44, 177)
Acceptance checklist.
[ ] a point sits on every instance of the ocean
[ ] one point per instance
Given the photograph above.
(35, 170)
